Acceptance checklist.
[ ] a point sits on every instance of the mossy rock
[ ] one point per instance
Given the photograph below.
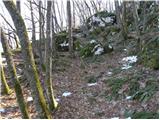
(96, 31)
(107, 48)
(101, 16)
(62, 38)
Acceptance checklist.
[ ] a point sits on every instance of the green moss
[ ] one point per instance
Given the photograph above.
(7, 90)
(116, 85)
(91, 79)
(87, 50)
(96, 31)
(150, 53)
(146, 93)
(145, 115)
(133, 87)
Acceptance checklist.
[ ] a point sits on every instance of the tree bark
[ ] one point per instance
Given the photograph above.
(31, 70)
(70, 28)
(34, 43)
(7, 89)
(136, 17)
(18, 5)
(52, 102)
(16, 83)
(121, 18)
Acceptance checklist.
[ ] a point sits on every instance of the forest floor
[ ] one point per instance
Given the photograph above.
(74, 75)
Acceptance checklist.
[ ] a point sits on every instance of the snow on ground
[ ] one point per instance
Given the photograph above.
(2, 110)
(99, 51)
(92, 84)
(102, 21)
(125, 49)
(127, 61)
(66, 93)
(109, 73)
(130, 59)
(110, 46)
(29, 99)
(126, 66)
(128, 97)
(64, 44)
(115, 118)
(92, 41)
(57, 99)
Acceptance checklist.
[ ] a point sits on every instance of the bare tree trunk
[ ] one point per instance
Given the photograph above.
(53, 38)
(74, 19)
(124, 24)
(70, 28)
(18, 5)
(136, 17)
(40, 43)
(52, 102)
(7, 89)
(117, 12)
(55, 17)
(31, 70)
(16, 83)
(34, 46)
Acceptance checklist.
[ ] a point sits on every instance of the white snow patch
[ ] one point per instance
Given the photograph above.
(96, 19)
(128, 97)
(64, 44)
(92, 41)
(91, 29)
(125, 49)
(102, 24)
(107, 19)
(57, 99)
(29, 99)
(110, 46)
(65, 94)
(99, 51)
(115, 118)
(92, 84)
(2, 110)
(125, 67)
(129, 118)
(18, 76)
(130, 59)
(109, 73)
(3, 59)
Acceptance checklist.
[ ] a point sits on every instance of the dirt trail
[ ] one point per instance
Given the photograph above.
(87, 101)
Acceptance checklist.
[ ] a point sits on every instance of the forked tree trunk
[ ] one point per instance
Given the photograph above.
(52, 102)
(70, 28)
(13, 73)
(31, 70)
(7, 89)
